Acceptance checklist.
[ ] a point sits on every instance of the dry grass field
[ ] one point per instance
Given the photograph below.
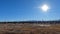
(27, 28)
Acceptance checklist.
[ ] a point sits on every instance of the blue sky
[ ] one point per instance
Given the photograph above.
(20, 10)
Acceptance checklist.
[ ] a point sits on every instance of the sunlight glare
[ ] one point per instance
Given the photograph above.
(44, 8)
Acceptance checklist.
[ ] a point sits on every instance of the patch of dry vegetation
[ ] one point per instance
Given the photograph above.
(29, 29)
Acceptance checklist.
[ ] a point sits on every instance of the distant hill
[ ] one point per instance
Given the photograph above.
(37, 22)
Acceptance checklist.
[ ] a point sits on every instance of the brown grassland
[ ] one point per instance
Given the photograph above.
(27, 28)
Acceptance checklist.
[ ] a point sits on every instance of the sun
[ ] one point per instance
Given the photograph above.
(45, 8)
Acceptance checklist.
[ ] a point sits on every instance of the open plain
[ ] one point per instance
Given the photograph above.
(26, 28)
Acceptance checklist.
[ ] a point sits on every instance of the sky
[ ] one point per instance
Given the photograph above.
(25, 10)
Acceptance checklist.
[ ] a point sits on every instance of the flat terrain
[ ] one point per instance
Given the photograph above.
(27, 28)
